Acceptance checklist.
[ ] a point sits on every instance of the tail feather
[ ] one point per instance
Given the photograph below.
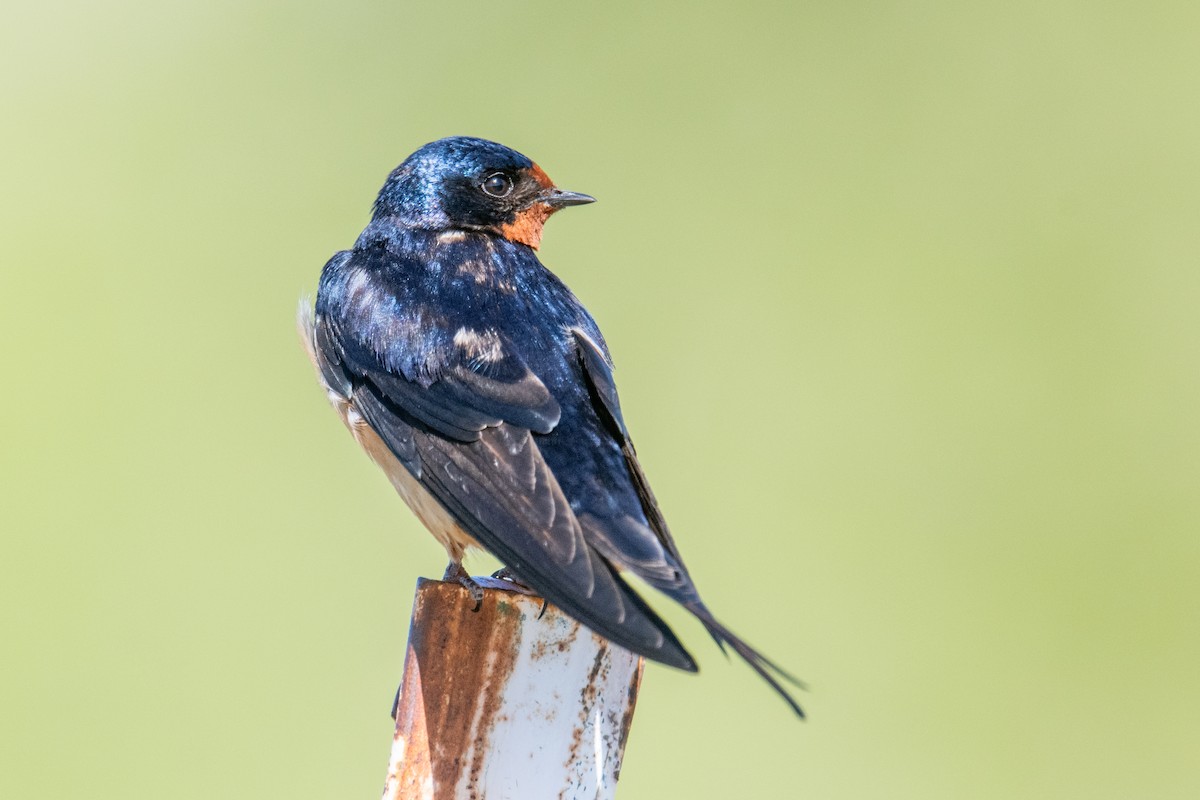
(767, 669)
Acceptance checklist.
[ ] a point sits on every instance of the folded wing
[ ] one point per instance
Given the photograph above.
(468, 435)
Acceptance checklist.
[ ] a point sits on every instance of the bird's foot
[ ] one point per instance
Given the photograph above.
(519, 586)
(456, 573)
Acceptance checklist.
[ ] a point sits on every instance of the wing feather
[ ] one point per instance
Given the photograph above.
(502, 492)
(598, 373)
(468, 437)
(625, 540)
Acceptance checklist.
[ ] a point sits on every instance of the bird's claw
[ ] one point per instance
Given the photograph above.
(519, 586)
(506, 574)
(456, 573)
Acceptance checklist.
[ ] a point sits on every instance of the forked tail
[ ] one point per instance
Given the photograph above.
(770, 672)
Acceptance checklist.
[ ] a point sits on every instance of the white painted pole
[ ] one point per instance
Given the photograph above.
(506, 703)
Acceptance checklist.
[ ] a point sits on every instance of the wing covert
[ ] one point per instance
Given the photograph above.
(463, 395)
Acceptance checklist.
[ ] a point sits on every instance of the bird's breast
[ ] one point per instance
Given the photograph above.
(427, 509)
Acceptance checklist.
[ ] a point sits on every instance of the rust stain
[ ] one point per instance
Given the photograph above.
(565, 643)
(406, 778)
(459, 655)
(451, 702)
(572, 755)
(539, 650)
(587, 695)
(587, 699)
(635, 686)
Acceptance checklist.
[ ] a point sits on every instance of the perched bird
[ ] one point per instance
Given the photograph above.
(473, 376)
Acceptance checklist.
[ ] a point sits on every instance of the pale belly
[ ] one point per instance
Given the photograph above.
(424, 505)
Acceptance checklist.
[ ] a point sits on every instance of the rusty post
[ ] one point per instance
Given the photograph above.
(506, 702)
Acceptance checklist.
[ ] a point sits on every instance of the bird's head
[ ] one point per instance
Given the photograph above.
(462, 183)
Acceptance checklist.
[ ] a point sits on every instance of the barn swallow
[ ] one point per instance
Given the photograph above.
(478, 382)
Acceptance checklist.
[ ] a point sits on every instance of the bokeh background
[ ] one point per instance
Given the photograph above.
(903, 298)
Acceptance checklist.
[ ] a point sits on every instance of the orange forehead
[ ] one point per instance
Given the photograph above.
(541, 177)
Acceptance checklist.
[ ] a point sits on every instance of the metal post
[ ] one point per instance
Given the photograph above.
(506, 702)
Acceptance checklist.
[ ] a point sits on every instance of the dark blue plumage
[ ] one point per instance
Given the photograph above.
(483, 387)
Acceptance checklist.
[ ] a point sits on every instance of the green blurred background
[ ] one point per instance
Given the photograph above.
(903, 298)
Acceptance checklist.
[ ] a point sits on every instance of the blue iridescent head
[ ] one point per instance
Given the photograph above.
(463, 183)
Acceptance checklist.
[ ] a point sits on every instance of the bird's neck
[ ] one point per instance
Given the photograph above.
(482, 258)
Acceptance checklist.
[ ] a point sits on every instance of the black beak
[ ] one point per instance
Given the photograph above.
(557, 198)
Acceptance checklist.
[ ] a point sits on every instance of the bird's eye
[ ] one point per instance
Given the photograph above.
(497, 184)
